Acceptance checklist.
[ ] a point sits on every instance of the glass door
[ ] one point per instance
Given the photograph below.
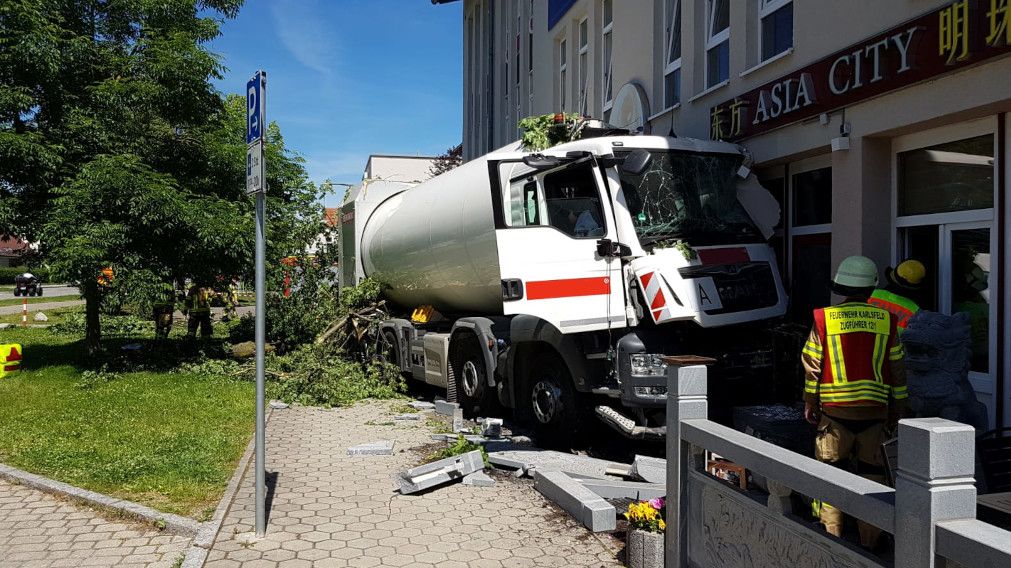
(967, 289)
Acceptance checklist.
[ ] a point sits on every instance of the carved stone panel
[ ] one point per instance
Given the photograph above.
(730, 530)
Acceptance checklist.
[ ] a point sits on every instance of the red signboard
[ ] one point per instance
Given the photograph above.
(958, 35)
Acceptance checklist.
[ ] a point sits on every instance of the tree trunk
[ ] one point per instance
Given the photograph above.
(92, 324)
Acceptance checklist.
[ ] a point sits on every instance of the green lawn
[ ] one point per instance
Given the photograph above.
(38, 300)
(55, 315)
(165, 439)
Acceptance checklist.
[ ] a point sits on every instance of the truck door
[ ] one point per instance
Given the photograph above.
(548, 223)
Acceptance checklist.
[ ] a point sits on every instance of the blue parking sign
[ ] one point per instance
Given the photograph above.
(255, 107)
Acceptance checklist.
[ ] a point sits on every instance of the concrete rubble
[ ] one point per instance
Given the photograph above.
(649, 469)
(549, 460)
(378, 448)
(39, 316)
(439, 472)
(421, 405)
(491, 427)
(583, 504)
(614, 489)
(459, 425)
(407, 417)
(445, 408)
(478, 479)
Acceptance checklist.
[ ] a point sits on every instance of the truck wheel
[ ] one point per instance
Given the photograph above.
(554, 402)
(472, 391)
(39, 291)
(388, 352)
(17, 291)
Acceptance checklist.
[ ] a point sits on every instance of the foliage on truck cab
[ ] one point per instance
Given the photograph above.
(541, 131)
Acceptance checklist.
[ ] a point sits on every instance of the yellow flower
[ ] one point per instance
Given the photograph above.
(663, 525)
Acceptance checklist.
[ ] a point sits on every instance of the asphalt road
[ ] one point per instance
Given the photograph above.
(50, 290)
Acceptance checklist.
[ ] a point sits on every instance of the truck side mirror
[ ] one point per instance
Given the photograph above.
(636, 161)
(606, 248)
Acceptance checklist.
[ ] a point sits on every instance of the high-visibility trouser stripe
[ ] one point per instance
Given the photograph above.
(896, 353)
(879, 354)
(811, 386)
(855, 397)
(899, 393)
(836, 359)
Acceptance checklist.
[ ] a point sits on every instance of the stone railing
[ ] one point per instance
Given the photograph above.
(931, 512)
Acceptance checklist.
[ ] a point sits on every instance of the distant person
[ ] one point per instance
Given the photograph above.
(164, 307)
(903, 289)
(855, 383)
(586, 224)
(198, 308)
(231, 300)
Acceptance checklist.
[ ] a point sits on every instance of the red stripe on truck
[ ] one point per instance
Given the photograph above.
(733, 255)
(570, 287)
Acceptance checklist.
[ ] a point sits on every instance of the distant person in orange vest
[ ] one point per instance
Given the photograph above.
(855, 383)
(904, 283)
(105, 277)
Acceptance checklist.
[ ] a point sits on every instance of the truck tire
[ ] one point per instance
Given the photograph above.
(472, 391)
(39, 290)
(554, 404)
(388, 352)
(17, 291)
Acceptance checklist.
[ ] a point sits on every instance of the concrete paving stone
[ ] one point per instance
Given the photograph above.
(321, 489)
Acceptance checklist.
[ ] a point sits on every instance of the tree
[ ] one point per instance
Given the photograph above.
(443, 163)
(115, 149)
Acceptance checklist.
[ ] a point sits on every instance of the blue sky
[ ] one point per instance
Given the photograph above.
(349, 78)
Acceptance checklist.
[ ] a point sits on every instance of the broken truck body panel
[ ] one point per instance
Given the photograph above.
(566, 260)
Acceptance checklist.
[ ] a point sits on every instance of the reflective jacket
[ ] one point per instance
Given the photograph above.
(199, 301)
(854, 361)
(899, 306)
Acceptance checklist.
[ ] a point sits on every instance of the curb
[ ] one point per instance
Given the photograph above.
(183, 526)
(196, 555)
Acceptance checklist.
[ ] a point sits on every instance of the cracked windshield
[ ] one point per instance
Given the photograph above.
(688, 197)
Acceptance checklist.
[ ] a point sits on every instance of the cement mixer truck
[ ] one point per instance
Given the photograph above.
(552, 282)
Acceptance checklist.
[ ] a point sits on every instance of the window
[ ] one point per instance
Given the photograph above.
(776, 20)
(563, 83)
(812, 197)
(607, 37)
(672, 51)
(717, 42)
(522, 207)
(573, 201)
(584, 54)
(955, 176)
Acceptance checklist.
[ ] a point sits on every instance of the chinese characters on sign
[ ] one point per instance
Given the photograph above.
(957, 35)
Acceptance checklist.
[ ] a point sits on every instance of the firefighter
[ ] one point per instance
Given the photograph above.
(231, 300)
(897, 297)
(855, 382)
(164, 306)
(198, 308)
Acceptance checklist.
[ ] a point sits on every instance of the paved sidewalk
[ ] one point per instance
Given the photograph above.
(331, 509)
(40, 530)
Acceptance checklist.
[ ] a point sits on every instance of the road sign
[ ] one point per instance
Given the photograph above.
(256, 107)
(255, 171)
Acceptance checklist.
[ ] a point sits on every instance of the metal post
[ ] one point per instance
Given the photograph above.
(24, 312)
(934, 483)
(686, 399)
(261, 308)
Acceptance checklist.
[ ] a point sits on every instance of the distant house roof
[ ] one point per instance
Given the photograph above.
(12, 246)
(331, 215)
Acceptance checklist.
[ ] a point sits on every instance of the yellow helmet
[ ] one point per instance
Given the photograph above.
(908, 274)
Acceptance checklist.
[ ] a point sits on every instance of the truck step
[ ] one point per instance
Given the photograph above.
(627, 427)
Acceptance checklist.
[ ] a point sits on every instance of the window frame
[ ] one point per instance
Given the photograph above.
(583, 62)
(671, 66)
(562, 75)
(714, 41)
(765, 9)
(607, 56)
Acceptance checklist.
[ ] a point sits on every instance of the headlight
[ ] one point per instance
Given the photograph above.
(648, 365)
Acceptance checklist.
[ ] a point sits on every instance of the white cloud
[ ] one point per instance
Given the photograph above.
(301, 27)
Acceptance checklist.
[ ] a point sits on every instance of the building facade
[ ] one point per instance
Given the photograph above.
(881, 127)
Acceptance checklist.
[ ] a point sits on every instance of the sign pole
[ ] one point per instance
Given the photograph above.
(256, 183)
(261, 517)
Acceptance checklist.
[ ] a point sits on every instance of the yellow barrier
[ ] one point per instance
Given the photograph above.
(10, 359)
